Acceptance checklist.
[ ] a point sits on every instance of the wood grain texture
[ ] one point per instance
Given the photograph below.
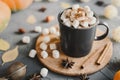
(89, 61)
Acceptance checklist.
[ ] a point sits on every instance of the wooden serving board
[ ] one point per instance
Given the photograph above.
(88, 61)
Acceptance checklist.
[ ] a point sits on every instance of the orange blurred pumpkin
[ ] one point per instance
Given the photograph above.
(117, 75)
(5, 14)
(16, 5)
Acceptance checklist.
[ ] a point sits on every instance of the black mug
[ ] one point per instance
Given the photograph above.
(78, 42)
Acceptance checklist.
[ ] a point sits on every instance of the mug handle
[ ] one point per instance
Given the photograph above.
(105, 34)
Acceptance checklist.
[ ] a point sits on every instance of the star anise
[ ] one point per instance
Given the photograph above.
(67, 64)
(84, 77)
(35, 77)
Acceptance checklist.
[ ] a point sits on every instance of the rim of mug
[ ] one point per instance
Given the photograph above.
(97, 18)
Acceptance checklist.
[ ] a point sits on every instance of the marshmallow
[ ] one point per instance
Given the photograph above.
(53, 30)
(63, 16)
(90, 14)
(44, 72)
(32, 53)
(38, 29)
(46, 39)
(43, 46)
(87, 8)
(44, 54)
(68, 12)
(75, 23)
(57, 33)
(67, 23)
(45, 31)
(81, 19)
(26, 39)
(110, 12)
(76, 6)
(52, 46)
(84, 24)
(92, 21)
(116, 2)
(55, 54)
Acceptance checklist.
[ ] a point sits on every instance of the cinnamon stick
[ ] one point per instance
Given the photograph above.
(92, 56)
(103, 55)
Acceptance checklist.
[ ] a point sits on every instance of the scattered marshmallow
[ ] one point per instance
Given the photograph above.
(26, 39)
(84, 0)
(75, 7)
(45, 31)
(43, 46)
(110, 12)
(46, 39)
(55, 54)
(38, 29)
(75, 23)
(53, 30)
(116, 34)
(116, 2)
(52, 46)
(44, 54)
(32, 53)
(44, 72)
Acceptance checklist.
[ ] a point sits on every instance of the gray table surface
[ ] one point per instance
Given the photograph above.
(33, 65)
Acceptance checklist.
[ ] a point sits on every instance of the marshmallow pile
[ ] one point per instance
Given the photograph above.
(78, 17)
(45, 44)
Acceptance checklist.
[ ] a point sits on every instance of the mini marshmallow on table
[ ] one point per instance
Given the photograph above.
(32, 53)
(55, 54)
(45, 31)
(44, 72)
(43, 46)
(44, 54)
(38, 29)
(26, 39)
(46, 39)
(53, 30)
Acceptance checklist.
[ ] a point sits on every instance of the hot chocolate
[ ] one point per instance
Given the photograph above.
(78, 17)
